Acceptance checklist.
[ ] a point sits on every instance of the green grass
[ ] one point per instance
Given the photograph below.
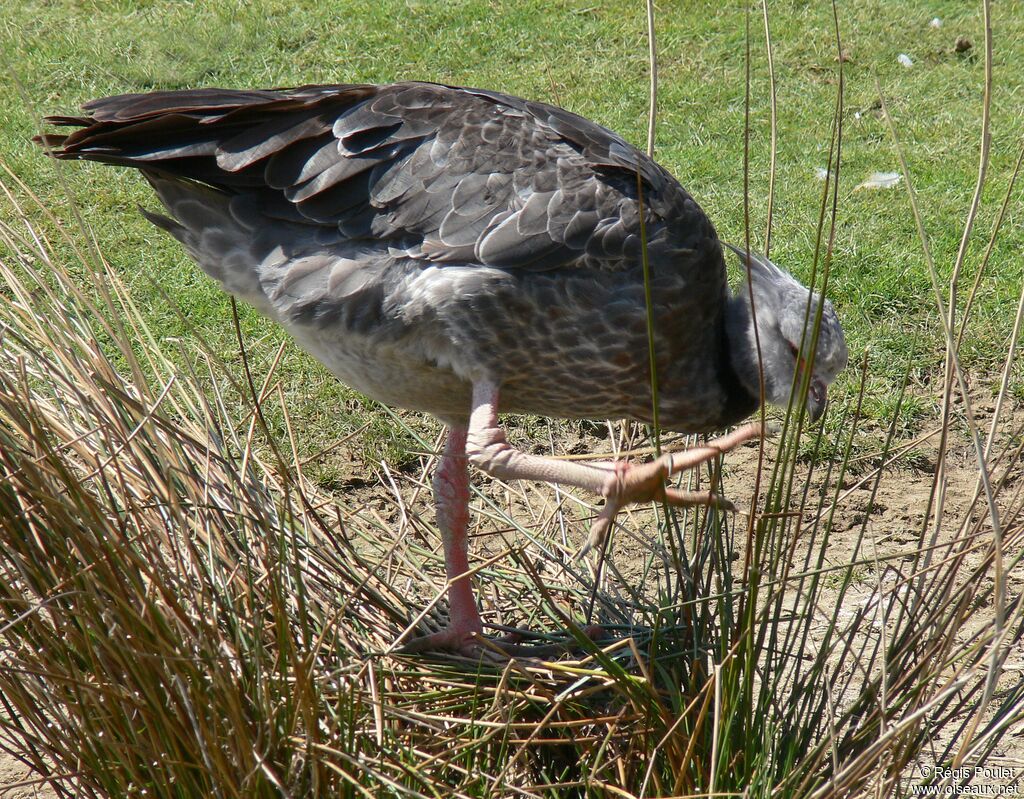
(590, 58)
(183, 615)
(208, 622)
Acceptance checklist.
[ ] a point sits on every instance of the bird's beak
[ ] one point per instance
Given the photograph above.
(817, 399)
(817, 391)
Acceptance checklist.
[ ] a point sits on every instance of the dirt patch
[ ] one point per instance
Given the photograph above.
(17, 781)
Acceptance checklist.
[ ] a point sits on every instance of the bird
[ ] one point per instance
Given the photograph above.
(465, 253)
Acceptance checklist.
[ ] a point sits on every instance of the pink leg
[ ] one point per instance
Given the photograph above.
(619, 482)
(451, 497)
(485, 445)
(465, 629)
(451, 494)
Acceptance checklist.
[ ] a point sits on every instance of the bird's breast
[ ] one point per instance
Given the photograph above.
(569, 343)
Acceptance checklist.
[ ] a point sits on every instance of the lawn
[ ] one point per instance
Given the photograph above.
(590, 58)
(223, 622)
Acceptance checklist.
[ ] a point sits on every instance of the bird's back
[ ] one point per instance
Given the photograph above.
(417, 237)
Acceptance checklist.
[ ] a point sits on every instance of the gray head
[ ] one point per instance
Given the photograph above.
(786, 313)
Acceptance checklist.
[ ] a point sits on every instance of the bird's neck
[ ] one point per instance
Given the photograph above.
(740, 373)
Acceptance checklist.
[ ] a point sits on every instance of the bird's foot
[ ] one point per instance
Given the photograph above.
(476, 645)
(632, 482)
(463, 642)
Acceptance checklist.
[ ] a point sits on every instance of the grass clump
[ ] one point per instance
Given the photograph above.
(185, 611)
(183, 614)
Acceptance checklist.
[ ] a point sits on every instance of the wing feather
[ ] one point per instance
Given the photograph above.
(448, 175)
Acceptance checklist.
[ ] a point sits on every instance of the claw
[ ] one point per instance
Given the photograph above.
(630, 483)
(599, 530)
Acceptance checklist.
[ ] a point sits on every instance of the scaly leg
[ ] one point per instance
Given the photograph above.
(485, 445)
(451, 497)
(619, 482)
(465, 628)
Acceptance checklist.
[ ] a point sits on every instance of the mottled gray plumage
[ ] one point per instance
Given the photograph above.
(460, 252)
(416, 237)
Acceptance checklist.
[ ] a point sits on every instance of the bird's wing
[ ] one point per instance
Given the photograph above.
(440, 173)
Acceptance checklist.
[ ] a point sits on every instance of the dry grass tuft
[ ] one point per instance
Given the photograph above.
(183, 614)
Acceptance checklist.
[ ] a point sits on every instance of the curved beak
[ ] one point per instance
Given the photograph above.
(817, 399)
(817, 391)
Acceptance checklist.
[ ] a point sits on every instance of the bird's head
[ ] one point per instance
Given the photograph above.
(795, 349)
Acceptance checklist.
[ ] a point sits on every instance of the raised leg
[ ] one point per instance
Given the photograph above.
(484, 444)
(619, 482)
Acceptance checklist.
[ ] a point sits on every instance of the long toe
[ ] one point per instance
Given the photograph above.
(511, 645)
(457, 641)
(689, 499)
(632, 483)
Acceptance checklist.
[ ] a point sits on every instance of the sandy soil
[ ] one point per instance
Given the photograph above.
(14, 775)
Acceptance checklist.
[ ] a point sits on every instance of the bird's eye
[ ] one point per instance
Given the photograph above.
(793, 349)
